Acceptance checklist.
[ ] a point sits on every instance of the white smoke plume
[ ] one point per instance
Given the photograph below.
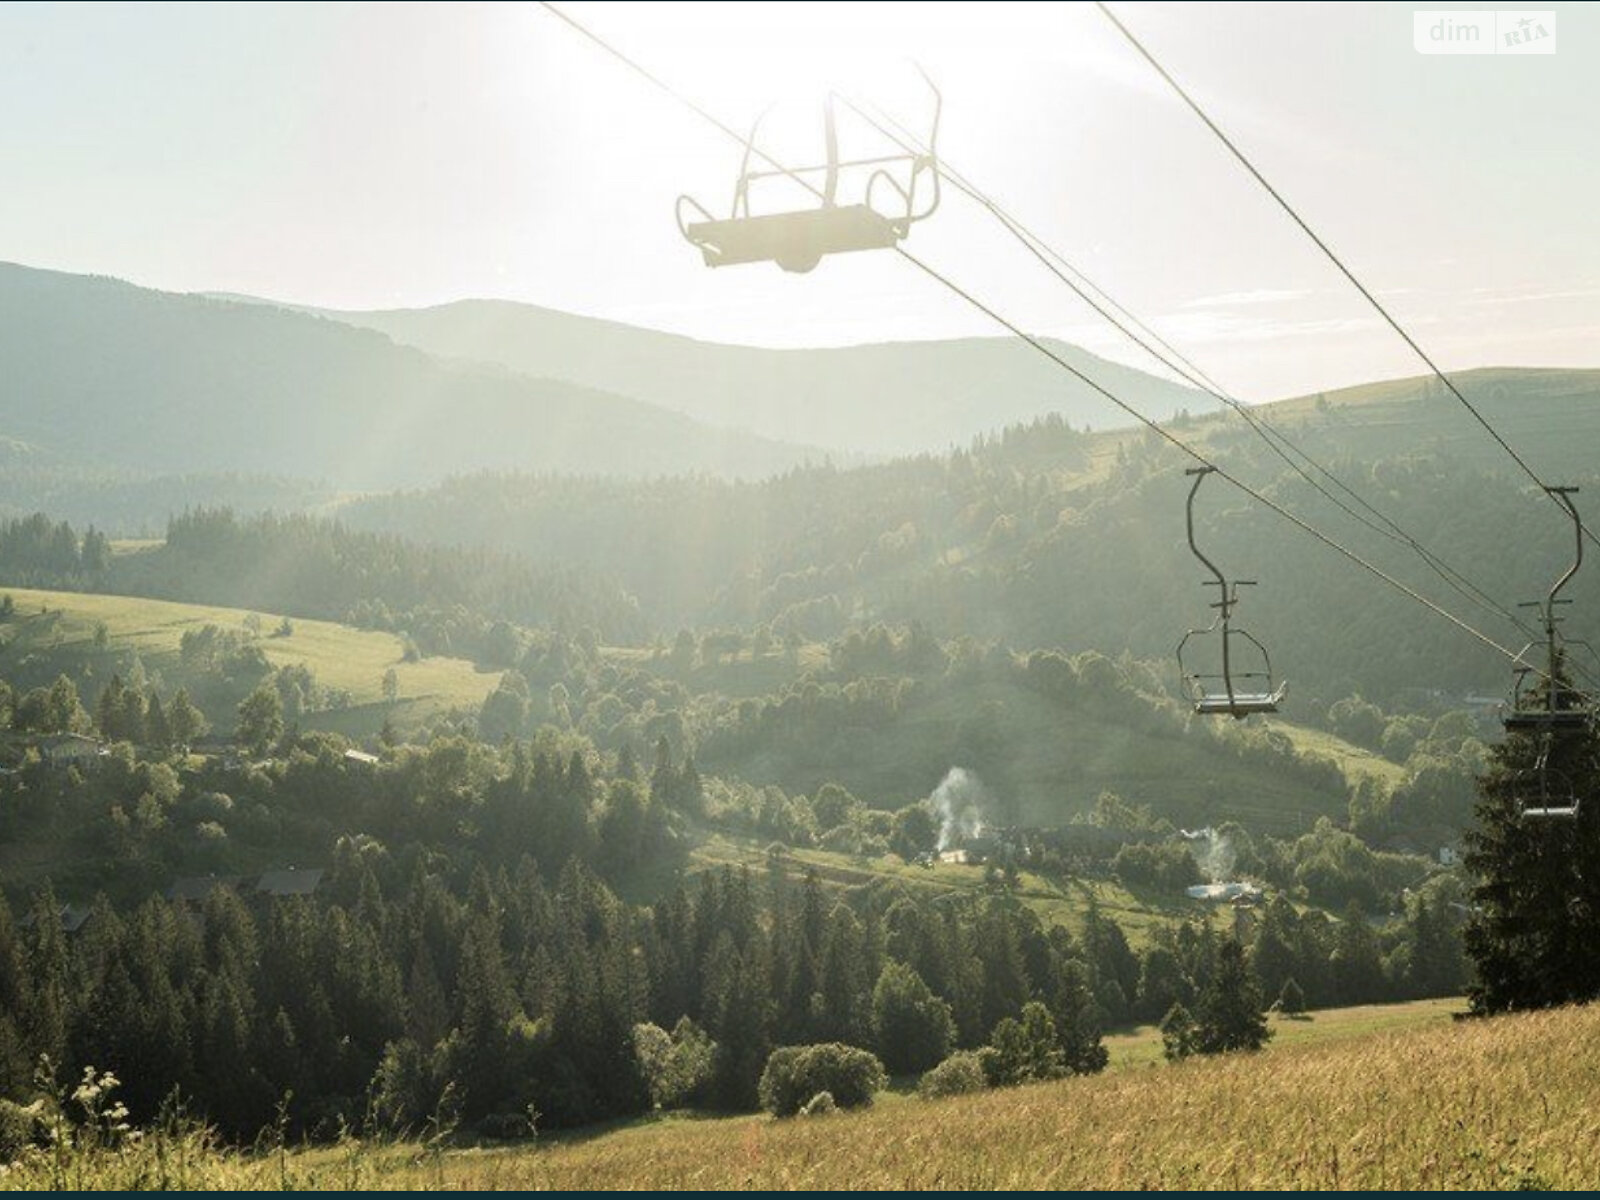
(1213, 852)
(958, 802)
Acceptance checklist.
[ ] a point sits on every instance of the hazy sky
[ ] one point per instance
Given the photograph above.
(377, 155)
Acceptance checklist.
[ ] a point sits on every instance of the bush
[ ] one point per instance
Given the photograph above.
(1178, 1034)
(21, 1126)
(1023, 1051)
(676, 1067)
(795, 1074)
(958, 1075)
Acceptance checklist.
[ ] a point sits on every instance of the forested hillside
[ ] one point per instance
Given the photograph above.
(1049, 537)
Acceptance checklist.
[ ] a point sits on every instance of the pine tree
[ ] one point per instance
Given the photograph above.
(1230, 1016)
(157, 733)
(108, 710)
(133, 716)
(1536, 909)
(843, 1015)
(15, 1000)
(737, 1018)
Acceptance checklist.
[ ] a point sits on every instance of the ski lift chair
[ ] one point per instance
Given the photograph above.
(1542, 792)
(1229, 691)
(797, 240)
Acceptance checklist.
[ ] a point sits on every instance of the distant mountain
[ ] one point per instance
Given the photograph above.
(99, 373)
(888, 399)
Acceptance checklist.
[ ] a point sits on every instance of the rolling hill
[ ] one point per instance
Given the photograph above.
(103, 374)
(1051, 537)
(56, 632)
(888, 399)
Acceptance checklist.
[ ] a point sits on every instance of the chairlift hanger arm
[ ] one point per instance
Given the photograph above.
(1220, 580)
(1563, 496)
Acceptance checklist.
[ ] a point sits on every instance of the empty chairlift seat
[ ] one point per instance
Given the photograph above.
(1237, 677)
(798, 239)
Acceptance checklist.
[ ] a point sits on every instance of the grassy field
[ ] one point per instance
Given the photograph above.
(1493, 1104)
(1141, 1047)
(1056, 902)
(64, 624)
(1356, 762)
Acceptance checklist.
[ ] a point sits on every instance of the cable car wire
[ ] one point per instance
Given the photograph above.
(1097, 298)
(1327, 251)
(1039, 346)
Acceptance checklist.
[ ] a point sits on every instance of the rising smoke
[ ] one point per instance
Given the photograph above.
(958, 802)
(1213, 852)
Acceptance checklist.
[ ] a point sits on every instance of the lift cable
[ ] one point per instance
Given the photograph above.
(1327, 251)
(1039, 346)
(1119, 316)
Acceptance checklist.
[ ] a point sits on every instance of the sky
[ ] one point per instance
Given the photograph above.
(387, 155)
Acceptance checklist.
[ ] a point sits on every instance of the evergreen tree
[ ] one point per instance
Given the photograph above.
(1024, 1051)
(133, 716)
(1536, 909)
(736, 1003)
(157, 732)
(108, 710)
(15, 1001)
(1230, 1016)
(1356, 964)
(911, 1027)
(843, 1014)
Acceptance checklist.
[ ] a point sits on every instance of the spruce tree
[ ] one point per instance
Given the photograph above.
(1536, 907)
(1230, 1016)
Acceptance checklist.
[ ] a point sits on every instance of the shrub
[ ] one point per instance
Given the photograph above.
(957, 1075)
(1178, 1033)
(795, 1074)
(1023, 1051)
(677, 1066)
(21, 1126)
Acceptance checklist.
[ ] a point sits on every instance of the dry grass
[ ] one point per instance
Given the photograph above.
(1141, 1047)
(1498, 1104)
(353, 660)
(1490, 1104)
